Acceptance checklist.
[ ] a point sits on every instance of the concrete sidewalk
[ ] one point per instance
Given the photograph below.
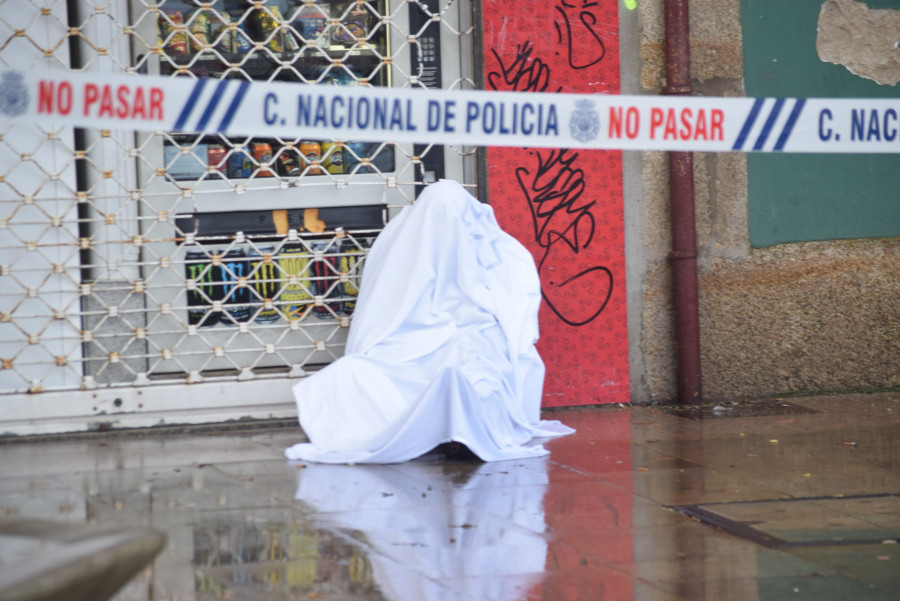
(785, 499)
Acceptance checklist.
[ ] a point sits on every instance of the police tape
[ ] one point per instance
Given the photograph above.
(460, 117)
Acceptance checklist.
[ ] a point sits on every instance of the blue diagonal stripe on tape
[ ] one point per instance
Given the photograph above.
(748, 124)
(767, 126)
(189, 105)
(213, 103)
(789, 126)
(233, 107)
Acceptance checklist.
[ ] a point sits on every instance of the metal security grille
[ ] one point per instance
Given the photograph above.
(129, 260)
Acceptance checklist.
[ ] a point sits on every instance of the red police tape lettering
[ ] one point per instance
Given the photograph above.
(631, 121)
(123, 102)
(687, 124)
(116, 102)
(54, 98)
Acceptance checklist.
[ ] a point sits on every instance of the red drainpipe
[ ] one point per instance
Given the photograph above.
(681, 190)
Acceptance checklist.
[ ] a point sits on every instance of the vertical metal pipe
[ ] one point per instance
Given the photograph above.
(681, 191)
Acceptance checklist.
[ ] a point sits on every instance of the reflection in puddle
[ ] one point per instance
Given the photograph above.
(423, 530)
(256, 561)
(429, 526)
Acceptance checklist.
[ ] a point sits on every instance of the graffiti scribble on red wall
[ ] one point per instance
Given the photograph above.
(565, 205)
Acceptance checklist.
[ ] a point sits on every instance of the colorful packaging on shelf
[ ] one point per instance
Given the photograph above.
(216, 155)
(288, 165)
(233, 271)
(219, 34)
(200, 31)
(296, 294)
(266, 29)
(287, 39)
(312, 24)
(311, 152)
(354, 28)
(170, 23)
(239, 164)
(326, 280)
(240, 42)
(199, 274)
(262, 152)
(333, 157)
(266, 282)
(352, 263)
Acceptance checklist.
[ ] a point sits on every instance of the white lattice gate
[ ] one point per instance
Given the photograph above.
(177, 277)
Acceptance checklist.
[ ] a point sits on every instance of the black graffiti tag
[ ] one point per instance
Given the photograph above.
(524, 74)
(562, 215)
(579, 22)
(564, 226)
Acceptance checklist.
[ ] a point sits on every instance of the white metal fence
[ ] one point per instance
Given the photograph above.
(130, 262)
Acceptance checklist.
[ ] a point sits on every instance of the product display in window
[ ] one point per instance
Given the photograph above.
(321, 42)
(267, 283)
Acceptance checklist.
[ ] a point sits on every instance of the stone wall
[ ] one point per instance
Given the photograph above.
(809, 317)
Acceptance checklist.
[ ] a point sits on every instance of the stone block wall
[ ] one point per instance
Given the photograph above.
(806, 318)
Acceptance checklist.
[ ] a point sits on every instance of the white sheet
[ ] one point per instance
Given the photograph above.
(441, 346)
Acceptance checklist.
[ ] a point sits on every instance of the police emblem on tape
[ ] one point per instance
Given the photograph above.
(13, 94)
(585, 123)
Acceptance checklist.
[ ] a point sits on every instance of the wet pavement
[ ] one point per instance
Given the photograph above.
(796, 499)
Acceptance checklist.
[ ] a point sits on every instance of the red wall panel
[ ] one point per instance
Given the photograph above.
(565, 206)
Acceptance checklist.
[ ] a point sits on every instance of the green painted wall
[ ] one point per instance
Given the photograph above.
(800, 197)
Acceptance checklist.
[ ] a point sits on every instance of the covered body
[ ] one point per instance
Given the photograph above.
(441, 347)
